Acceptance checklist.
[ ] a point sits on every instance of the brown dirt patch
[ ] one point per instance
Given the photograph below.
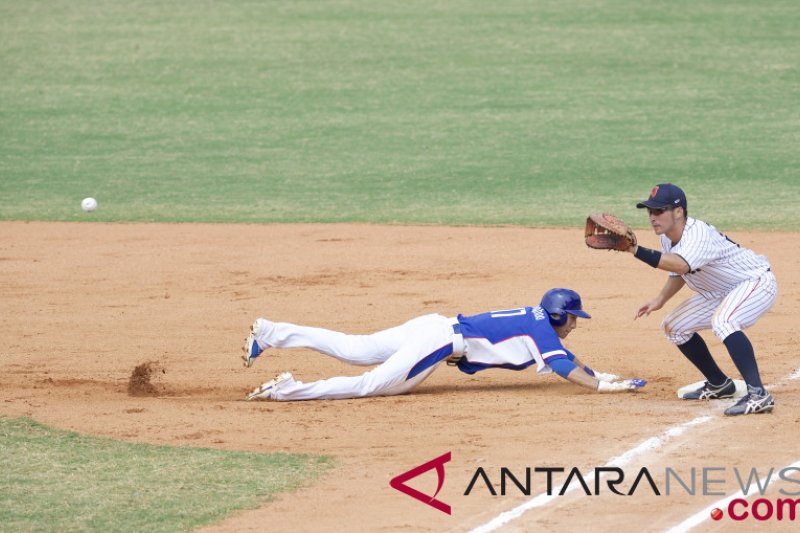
(141, 381)
(83, 304)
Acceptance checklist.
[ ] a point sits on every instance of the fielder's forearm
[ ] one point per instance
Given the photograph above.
(663, 261)
(671, 288)
(673, 263)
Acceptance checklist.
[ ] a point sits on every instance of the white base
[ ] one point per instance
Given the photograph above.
(741, 388)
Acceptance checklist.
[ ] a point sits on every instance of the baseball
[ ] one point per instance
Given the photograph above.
(89, 204)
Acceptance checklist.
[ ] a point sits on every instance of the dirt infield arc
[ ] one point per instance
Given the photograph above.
(84, 304)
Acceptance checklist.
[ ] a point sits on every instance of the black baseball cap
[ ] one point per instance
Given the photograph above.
(664, 196)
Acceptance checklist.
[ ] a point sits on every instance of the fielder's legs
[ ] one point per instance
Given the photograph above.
(681, 328)
(741, 309)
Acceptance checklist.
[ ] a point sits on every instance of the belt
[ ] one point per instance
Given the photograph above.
(459, 346)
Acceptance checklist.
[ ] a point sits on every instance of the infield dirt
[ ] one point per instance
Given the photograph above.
(85, 304)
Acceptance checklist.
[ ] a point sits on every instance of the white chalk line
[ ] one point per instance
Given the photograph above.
(650, 444)
(704, 514)
(794, 375)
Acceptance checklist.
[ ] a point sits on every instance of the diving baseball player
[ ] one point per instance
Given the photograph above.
(407, 354)
(734, 287)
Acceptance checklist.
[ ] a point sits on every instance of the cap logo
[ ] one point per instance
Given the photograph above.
(654, 192)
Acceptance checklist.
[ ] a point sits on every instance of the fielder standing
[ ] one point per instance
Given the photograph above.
(734, 287)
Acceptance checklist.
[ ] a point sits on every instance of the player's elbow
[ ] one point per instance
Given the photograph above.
(561, 366)
(682, 269)
(674, 263)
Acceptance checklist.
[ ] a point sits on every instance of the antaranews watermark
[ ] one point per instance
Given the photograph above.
(666, 482)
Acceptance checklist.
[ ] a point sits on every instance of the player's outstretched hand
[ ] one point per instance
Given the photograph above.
(622, 386)
(653, 305)
(602, 376)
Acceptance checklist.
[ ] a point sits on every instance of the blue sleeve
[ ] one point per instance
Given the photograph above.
(561, 365)
(571, 357)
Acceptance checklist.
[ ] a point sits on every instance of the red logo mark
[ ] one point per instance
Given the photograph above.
(654, 192)
(399, 482)
(716, 513)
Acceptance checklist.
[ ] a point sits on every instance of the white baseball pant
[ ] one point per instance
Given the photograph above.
(396, 350)
(737, 310)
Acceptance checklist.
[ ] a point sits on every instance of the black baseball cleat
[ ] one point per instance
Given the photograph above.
(712, 392)
(757, 400)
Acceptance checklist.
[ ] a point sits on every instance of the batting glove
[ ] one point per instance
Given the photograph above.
(602, 376)
(621, 386)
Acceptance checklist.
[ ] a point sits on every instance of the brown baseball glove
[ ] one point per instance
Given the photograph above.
(607, 232)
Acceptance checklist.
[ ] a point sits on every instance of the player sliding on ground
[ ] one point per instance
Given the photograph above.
(514, 339)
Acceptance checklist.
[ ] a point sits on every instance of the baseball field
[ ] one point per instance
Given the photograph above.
(352, 165)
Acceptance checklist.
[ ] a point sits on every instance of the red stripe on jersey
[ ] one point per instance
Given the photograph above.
(743, 300)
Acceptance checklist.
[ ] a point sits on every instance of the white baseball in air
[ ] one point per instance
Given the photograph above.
(88, 204)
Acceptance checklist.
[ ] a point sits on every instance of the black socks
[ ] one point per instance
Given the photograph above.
(744, 358)
(697, 352)
(740, 350)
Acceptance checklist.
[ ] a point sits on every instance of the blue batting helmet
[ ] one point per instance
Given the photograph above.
(560, 302)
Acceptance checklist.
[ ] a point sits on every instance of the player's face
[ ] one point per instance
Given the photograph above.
(566, 329)
(662, 220)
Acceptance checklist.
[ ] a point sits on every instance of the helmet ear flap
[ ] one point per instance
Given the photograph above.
(557, 319)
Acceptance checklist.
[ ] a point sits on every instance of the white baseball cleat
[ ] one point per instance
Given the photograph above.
(268, 389)
(251, 347)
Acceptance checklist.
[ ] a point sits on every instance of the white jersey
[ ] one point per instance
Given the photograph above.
(717, 265)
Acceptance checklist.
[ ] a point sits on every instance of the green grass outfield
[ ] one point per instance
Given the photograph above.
(531, 112)
(420, 111)
(61, 481)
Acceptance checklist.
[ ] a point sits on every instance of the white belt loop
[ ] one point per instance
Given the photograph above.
(459, 346)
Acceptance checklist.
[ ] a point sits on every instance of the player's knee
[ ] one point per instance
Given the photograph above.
(369, 387)
(671, 324)
(668, 327)
(723, 329)
(673, 335)
(374, 384)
